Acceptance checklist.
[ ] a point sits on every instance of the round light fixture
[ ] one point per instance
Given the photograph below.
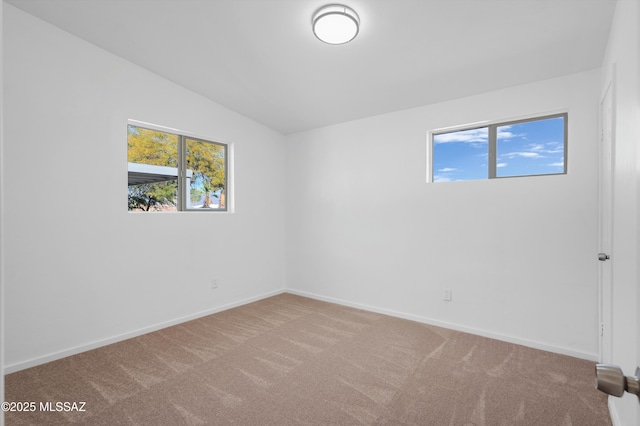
(336, 24)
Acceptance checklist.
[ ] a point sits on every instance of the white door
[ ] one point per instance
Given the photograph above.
(607, 116)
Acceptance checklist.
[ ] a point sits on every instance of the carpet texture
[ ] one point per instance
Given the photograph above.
(289, 360)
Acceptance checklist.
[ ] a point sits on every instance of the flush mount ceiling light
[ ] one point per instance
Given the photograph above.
(336, 24)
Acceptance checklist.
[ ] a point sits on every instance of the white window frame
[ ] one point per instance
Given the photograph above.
(182, 201)
(492, 126)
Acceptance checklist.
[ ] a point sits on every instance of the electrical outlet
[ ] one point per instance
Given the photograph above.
(446, 294)
(214, 283)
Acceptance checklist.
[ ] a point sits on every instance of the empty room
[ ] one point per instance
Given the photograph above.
(391, 212)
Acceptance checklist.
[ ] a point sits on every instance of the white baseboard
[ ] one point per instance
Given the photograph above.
(425, 320)
(613, 413)
(12, 368)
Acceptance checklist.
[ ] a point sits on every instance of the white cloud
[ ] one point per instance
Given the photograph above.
(536, 150)
(525, 154)
(447, 169)
(505, 135)
(501, 165)
(440, 178)
(560, 164)
(553, 147)
(473, 135)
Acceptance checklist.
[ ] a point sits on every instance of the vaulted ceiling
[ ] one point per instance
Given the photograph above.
(261, 59)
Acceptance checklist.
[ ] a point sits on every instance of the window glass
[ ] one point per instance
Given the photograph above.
(531, 148)
(152, 170)
(173, 172)
(460, 155)
(206, 175)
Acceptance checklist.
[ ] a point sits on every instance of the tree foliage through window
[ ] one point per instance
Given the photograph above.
(156, 172)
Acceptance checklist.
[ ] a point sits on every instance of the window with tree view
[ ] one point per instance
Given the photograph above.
(529, 147)
(172, 172)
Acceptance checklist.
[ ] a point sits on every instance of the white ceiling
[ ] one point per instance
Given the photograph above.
(261, 59)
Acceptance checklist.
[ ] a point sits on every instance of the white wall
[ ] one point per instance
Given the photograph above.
(363, 227)
(623, 53)
(80, 269)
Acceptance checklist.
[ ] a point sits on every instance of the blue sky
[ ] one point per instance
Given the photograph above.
(529, 148)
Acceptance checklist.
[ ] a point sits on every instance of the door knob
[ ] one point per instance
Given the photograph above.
(611, 380)
(603, 256)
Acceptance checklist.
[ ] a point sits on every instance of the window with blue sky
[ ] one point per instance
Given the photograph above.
(529, 147)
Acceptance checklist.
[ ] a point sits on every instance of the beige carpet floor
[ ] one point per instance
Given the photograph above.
(289, 360)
